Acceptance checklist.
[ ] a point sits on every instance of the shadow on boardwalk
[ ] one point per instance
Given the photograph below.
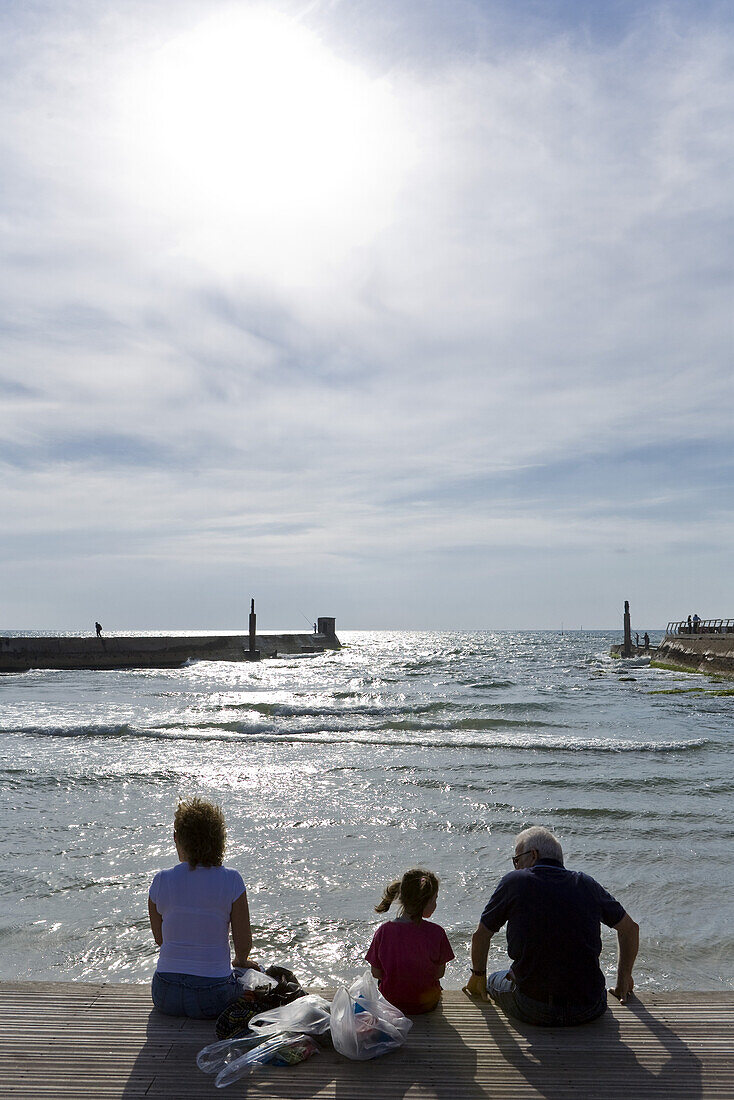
(436, 1061)
(464, 1050)
(598, 1059)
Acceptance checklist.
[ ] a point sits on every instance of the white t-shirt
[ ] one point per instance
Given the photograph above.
(195, 904)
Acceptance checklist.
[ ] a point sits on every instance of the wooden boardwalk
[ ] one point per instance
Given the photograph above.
(80, 1041)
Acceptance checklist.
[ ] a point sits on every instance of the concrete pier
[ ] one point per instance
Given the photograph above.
(163, 651)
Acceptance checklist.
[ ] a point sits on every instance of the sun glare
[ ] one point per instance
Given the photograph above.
(253, 133)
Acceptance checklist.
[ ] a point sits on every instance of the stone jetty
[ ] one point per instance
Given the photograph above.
(690, 645)
(705, 646)
(162, 651)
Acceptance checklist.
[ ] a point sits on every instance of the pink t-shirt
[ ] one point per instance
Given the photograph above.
(409, 954)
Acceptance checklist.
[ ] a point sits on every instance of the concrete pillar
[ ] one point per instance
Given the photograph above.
(253, 654)
(327, 626)
(627, 647)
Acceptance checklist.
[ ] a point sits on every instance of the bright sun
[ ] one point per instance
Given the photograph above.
(249, 129)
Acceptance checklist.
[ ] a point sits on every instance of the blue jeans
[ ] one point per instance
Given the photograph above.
(188, 995)
(503, 991)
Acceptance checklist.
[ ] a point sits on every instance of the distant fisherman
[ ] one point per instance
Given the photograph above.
(98, 628)
(554, 919)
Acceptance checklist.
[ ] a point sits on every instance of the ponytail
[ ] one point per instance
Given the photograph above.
(388, 896)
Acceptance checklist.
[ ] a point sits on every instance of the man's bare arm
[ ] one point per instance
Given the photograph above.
(628, 942)
(477, 984)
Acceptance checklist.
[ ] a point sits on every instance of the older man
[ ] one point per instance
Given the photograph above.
(554, 919)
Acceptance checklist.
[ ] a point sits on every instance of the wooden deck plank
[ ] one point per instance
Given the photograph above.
(76, 1041)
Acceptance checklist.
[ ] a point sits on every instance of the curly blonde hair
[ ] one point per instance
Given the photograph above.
(200, 830)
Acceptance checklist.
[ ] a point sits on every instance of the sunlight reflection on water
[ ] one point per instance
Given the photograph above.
(339, 772)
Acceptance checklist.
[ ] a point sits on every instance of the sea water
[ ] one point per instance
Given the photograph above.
(336, 773)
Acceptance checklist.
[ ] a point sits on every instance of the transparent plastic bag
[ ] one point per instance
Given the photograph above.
(285, 1049)
(252, 979)
(310, 1014)
(216, 1056)
(366, 990)
(363, 1024)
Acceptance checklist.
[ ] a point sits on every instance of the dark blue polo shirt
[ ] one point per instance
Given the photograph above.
(553, 930)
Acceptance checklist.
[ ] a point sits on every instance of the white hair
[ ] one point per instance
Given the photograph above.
(542, 840)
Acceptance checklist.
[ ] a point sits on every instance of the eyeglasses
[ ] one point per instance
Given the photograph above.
(516, 859)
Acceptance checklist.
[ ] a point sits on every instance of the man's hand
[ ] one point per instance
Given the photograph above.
(477, 984)
(476, 987)
(623, 989)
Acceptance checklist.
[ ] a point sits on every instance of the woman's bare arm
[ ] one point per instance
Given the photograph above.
(156, 922)
(241, 930)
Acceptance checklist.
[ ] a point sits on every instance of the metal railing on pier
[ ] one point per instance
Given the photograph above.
(701, 626)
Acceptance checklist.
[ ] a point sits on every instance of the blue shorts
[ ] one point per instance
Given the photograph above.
(189, 995)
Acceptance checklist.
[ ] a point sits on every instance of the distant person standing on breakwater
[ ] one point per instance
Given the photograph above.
(191, 908)
(98, 628)
(554, 921)
(696, 621)
(408, 955)
(646, 640)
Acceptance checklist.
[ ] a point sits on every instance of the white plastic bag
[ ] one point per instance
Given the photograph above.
(216, 1056)
(310, 1014)
(278, 1050)
(365, 1025)
(251, 979)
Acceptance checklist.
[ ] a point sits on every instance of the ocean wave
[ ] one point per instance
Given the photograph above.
(468, 724)
(304, 710)
(487, 685)
(634, 813)
(25, 778)
(345, 735)
(115, 729)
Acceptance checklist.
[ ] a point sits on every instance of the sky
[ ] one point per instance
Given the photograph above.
(413, 313)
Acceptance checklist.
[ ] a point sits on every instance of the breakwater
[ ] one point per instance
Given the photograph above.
(20, 654)
(697, 653)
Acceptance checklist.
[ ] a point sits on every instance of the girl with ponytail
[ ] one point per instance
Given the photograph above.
(408, 955)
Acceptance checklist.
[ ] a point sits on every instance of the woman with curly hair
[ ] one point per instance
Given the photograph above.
(192, 907)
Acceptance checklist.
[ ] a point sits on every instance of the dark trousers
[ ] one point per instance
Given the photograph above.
(503, 991)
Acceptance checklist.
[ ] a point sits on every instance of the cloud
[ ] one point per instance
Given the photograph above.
(484, 308)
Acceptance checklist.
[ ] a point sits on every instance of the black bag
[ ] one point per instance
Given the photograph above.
(236, 1017)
